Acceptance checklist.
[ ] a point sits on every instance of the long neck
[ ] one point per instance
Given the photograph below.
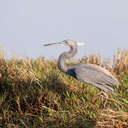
(66, 55)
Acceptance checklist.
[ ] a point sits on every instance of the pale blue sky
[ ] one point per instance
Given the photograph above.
(103, 24)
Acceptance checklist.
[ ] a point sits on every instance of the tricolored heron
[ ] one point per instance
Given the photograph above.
(88, 73)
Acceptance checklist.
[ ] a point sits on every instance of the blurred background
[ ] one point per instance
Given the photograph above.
(26, 25)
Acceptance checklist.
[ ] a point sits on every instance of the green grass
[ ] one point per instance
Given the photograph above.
(34, 93)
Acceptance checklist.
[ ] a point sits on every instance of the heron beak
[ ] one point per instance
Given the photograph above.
(52, 44)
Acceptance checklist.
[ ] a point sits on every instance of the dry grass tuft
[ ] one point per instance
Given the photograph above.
(109, 118)
(120, 61)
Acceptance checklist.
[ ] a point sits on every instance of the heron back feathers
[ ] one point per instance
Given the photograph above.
(95, 75)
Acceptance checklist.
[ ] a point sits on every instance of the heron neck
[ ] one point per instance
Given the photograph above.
(64, 56)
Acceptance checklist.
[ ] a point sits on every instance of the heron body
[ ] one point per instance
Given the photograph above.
(88, 73)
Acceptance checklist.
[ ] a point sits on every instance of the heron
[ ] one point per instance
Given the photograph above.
(88, 73)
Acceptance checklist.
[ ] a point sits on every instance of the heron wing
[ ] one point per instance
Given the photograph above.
(96, 76)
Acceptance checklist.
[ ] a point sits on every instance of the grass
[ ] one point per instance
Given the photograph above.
(35, 94)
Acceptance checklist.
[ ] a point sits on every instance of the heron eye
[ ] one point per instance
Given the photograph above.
(64, 41)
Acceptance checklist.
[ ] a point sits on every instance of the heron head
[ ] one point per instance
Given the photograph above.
(67, 43)
(72, 42)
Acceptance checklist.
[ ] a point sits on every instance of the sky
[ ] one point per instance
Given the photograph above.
(26, 25)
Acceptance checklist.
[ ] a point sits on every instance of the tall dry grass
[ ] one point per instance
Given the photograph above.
(34, 93)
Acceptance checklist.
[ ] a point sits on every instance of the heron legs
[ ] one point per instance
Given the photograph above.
(98, 95)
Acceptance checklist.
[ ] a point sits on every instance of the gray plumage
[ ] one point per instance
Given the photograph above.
(88, 73)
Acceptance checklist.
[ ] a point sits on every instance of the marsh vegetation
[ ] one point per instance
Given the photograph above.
(35, 94)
